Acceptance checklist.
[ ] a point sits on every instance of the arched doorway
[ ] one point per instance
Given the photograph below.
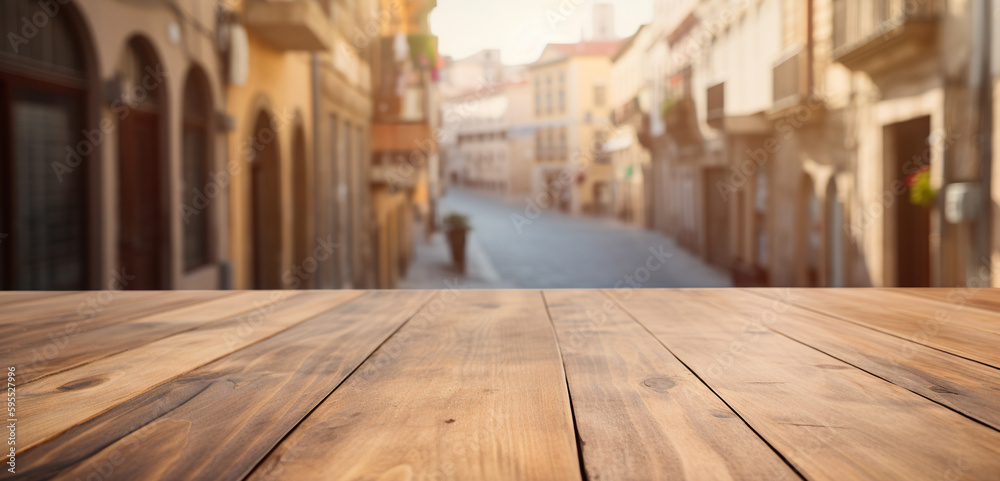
(196, 163)
(301, 206)
(265, 204)
(142, 216)
(44, 152)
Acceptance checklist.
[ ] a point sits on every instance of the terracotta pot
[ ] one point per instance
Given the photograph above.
(456, 240)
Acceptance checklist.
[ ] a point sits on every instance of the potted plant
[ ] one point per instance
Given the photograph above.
(457, 227)
(921, 192)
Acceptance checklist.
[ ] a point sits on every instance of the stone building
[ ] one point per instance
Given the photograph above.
(571, 109)
(299, 98)
(114, 158)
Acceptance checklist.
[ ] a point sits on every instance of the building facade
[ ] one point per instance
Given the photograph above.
(112, 142)
(298, 96)
(630, 160)
(406, 172)
(823, 143)
(572, 110)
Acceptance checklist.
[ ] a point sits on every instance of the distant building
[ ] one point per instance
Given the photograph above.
(630, 160)
(570, 86)
(466, 85)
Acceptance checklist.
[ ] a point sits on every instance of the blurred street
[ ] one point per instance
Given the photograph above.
(554, 250)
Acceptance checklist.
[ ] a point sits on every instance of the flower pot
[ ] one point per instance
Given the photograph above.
(456, 240)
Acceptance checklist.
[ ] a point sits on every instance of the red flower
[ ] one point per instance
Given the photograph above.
(913, 178)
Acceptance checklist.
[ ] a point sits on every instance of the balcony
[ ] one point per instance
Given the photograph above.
(680, 118)
(409, 104)
(289, 24)
(876, 36)
(791, 80)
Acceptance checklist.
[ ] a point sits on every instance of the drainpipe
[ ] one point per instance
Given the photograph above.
(985, 103)
(317, 104)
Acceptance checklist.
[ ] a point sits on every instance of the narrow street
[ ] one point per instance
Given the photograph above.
(549, 249)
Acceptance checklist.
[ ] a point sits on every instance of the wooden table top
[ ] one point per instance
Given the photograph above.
(505, 385)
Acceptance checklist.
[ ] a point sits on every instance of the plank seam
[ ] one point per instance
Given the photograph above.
(89, 361)
(882, 378)
(569, 394)
(164, 381)
(341, 383)
(873, 328)
(734, 411)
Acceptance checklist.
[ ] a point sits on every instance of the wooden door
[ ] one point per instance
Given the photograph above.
(265, 212)
(140, 207)
(716, 218)
(913, 223)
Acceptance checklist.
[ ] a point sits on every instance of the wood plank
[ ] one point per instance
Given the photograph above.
(8, 298)
(988, 299)
(959, 330)
(55, 347)
(954, 306)
(234, 409)
(965, 386)
(472, 388)
(830, 420)
(70, 306)
(640, 413)
(55, 403)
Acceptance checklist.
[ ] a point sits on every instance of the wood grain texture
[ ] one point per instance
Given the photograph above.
(640, 413)
(471, 389)
(253, 397)
(67, 307)
(55, 403)
(988, 299)
(830, 420)
(965, 386)
(9, 298)
(956, 329)
(52, 347)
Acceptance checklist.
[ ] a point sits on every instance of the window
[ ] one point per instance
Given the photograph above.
(600, 95)
(562, 92)
(195, 176)
(43, 208)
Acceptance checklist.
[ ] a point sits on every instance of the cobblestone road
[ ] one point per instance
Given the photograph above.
(554, 250)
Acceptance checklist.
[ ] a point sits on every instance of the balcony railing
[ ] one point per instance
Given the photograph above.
(862, 28)
(290, 24)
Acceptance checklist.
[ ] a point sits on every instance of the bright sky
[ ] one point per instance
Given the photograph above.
(522, 28)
